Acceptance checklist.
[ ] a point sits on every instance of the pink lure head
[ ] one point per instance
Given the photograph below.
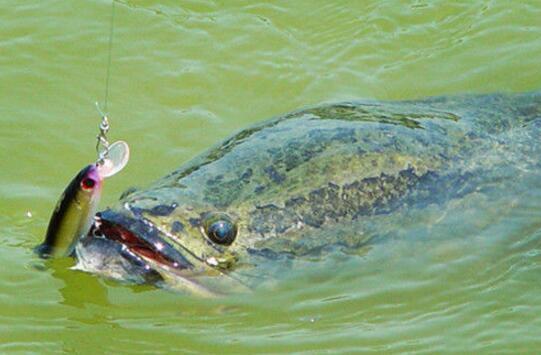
(91, 182)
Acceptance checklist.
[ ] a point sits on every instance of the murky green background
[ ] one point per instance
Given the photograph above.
(185, 75)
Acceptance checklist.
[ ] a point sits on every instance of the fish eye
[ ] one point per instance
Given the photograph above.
(88, 183)
(221, 230)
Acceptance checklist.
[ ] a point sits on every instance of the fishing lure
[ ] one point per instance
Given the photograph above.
(73, 214)
(75, 210)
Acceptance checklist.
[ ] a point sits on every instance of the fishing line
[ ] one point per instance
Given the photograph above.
(102, 144)
(110, 50)
(111, 157)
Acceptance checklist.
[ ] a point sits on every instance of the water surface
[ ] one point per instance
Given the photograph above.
(184, 76)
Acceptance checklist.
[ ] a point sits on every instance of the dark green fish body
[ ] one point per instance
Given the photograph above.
(331, 175)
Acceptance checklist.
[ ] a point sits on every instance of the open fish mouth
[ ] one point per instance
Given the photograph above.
(141, 241)
(132, 249)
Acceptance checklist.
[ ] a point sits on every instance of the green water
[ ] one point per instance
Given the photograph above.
(186, 75)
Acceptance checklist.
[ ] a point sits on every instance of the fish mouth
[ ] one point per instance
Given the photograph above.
(131, 248)
(141, 241)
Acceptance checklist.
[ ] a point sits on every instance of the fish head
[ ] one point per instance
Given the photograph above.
(141, 239)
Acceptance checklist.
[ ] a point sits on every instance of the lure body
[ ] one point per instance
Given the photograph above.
(73, 214)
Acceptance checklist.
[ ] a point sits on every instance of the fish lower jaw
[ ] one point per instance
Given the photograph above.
(107, 258)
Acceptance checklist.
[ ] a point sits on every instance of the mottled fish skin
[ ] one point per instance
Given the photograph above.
(287, 179)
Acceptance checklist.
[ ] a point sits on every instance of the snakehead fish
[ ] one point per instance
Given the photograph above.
(324, 177)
